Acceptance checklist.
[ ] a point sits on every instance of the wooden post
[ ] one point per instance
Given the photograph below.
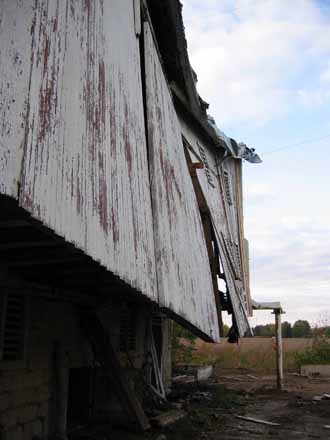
(279, 351)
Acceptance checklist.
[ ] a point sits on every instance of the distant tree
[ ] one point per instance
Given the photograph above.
(225, 330)
(286, 330)
(301, 329)
(257, 331)
(264, 330)
(318, 332)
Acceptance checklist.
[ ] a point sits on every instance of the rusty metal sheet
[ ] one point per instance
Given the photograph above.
(183, 271)
(84, 171)
(224, 219)
(16, 23)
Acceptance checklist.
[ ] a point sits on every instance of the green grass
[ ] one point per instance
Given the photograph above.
(318, 353)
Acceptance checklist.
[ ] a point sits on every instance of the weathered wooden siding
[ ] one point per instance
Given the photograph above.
(183, 272)
(16, 24)
(224, 218)
(71, 95)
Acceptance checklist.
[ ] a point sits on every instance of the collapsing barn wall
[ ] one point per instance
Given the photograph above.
(218, 180)
(75, 154)
(183, 271)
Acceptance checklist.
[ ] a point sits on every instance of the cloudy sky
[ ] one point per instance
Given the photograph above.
(264, 67)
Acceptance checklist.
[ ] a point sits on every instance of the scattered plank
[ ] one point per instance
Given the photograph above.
(322, 397)
(238, 379)
(167, 418)
(260, 421)
(183, 379)
(249, 431)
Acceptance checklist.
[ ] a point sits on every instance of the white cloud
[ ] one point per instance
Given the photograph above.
(250, 55)
(325, 74)
(314, 97)
(258, 192)
(291, 263)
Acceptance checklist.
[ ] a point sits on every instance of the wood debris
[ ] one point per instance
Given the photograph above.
(260, 421)
(250, 376)
(167, 418)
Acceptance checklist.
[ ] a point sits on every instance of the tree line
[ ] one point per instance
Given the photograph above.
(300, 329)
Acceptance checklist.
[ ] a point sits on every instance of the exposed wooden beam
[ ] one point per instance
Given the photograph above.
(207, 226)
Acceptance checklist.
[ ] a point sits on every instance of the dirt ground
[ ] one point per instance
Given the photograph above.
(212, 408)
(299, 416)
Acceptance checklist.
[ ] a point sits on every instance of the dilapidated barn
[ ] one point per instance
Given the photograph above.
(120, 210)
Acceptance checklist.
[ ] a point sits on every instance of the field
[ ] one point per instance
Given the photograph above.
(256, 353)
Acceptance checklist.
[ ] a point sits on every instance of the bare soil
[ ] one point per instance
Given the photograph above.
(299, 416)
(212, 409)
(242, 392)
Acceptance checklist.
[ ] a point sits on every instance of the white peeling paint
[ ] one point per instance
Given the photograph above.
(84, 170)
(183, 271)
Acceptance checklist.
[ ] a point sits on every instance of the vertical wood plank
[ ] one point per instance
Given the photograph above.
(224, 219)
(16, 30)
(183, 270)
(137, 17)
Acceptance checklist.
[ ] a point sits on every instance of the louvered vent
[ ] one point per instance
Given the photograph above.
(206, 165)
(12, 338)
(127, 338)
(233, 251)
(227, 183)
(157, 321)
